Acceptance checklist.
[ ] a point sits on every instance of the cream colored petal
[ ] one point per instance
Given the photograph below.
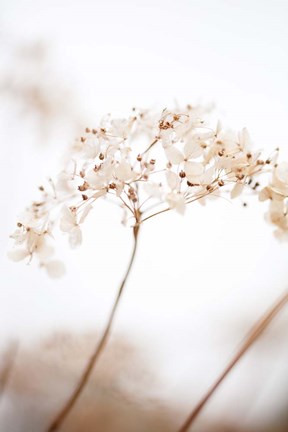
(265, 194)
(193, 168)
(55, 269)
(192, 150)
(68, 220)
(95, 180)
(176, 201)
(85, 213)
(18, 254)
(281, 172)
(173, 180)
(237, 190)
(174, 155)
(123, 171)
(153, 190)
(75, 237)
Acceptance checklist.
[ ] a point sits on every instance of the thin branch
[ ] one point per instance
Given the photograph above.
(251, 337)
(61, 416)
(150, 146)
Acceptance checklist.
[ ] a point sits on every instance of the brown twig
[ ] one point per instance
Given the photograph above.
(251, 337)
(61, 416)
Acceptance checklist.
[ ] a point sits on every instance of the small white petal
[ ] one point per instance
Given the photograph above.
(91, 147)
(174, 155)
(194, 169)
(192, 150)
(124, 171)
(219, 127)
(153, 190)
(177, 202)
(75, 237)
(173, 180)
(95, 179)
(18, 254)
(68, 220)
(244, 139)
(281, 172)
(55, 268)
(237, 190)
(44, 251)
(85, 213)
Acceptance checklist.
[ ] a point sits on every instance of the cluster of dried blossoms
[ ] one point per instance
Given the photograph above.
(148, 164)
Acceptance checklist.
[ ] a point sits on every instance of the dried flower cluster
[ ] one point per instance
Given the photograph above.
(148, 164)
(45, 102)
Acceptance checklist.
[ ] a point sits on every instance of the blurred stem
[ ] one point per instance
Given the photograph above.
(61, 416)
(250, 338)
(6, 371)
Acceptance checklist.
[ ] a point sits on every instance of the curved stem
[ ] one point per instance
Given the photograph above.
(251, 337)
(61, 416)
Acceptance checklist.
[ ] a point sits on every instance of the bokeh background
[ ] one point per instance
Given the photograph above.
(199, 282)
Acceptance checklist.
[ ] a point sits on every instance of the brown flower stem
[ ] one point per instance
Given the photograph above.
(61, 416)
(251, 337)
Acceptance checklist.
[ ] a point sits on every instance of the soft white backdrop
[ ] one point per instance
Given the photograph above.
(199, 281)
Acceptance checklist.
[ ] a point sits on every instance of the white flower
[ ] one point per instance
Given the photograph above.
(68, 224)
(173, 158)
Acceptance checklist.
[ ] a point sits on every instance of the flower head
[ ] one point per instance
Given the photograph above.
(147, 164)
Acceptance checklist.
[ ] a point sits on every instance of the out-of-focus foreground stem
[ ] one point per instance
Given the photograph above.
(251, 337)
(61, 416)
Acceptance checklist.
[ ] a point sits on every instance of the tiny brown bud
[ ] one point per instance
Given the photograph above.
(221, 153)
(249, 155)
(87, 130)
(256, 185)
(85, 197)
(221, 183)
(94, 131)
(182, 174)
(268, 161)
(19, 224)
(209, 187)
(83, 187)
(101, 156)
(112, 186)
(41, 188)
(152, 161)
(240, 176)
(82, 173)
(189, 183)
(139, 158)
(83, 139)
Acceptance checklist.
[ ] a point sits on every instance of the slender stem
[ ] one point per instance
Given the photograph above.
(251, 337)
(61, 416)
